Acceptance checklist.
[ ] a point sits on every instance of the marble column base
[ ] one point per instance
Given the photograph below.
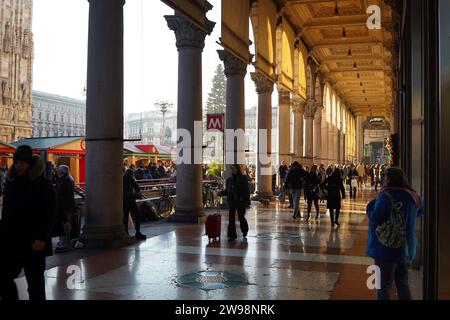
(106, 238)
(188, 216)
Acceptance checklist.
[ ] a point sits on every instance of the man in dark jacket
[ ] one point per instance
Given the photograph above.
(131, 191)
(283, 171)
(66, 207)
(28, 216)
(161, 170)
(238, 197)
(294, 181)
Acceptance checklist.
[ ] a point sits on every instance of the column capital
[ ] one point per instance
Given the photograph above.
(284, 96)
(233, 65)
(298, 105)
(188, 35)
(263, 83)
(310, 109)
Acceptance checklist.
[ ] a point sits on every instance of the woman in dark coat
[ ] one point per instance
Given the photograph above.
(335, 188)
(312, 183)
(238, 197)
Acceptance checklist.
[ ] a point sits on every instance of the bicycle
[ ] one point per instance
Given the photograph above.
(165, 205)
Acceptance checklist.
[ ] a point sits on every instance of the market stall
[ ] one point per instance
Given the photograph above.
(69, 151)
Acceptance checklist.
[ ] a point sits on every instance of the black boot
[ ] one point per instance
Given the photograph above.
(140, 236)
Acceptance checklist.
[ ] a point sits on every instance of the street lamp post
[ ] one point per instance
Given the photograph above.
(164, 107)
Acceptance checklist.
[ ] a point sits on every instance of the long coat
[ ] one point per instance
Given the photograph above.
(29, 212)
(335, 188)
(237, 190)
(66, 203)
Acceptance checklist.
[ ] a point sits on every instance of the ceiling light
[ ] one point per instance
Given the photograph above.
(336, 9)
(344, 33)
(358, 76)
(350, 52)
(364, 91)
(360, 84)
(355, 66)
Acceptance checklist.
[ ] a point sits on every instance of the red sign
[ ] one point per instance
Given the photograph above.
(215, 122)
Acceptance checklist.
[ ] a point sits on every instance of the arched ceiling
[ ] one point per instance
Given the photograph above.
(372, 50)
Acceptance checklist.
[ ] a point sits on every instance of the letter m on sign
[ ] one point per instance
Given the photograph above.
(215, 122)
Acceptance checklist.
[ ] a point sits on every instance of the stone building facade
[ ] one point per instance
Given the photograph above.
(16, 69)
(57, 116)
(148, 127)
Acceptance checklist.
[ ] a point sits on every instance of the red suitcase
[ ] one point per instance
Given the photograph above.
(213, 227)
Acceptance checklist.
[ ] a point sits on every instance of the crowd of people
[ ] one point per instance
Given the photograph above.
(152, 171)
(37, 208)
(321, 184)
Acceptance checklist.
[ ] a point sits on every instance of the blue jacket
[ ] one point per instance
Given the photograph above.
(378, 212)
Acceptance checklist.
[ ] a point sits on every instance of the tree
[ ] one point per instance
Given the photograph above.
(216, 102)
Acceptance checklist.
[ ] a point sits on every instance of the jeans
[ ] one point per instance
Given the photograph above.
(240, 207)
(393, 272)
(296, 193)
(311, 198)
(34, 268)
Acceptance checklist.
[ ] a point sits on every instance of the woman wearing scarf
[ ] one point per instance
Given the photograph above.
(393, 262)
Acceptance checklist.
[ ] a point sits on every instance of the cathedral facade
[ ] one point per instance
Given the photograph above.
(16, 69)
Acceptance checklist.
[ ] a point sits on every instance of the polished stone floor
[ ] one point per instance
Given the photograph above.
(281, 259)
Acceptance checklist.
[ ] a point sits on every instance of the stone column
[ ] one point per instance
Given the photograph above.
(317, 141)
(330, 143)
(336, 144)
(324, 135)
(264, 88)
(310, 111)
(235, 71)
(359, 139)
(190, 41)
(103, 227)
(284, 126)
(298, 108)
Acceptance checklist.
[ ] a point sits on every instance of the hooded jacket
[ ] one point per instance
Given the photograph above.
(378, 212)
(29, 212)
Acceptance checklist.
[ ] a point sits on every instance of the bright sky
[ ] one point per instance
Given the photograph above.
(151, 64)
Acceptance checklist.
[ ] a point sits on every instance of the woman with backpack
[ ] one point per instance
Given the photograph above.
(392, 226)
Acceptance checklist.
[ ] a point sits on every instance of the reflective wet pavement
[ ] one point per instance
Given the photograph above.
(282, 258)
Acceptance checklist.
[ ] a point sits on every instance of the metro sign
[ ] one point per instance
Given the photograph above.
(215, 122)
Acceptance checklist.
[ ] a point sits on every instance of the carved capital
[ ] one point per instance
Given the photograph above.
(298, 105)
(263, 83)
(310, 109)
(233, 65)
(284, 96)
(188, 35)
